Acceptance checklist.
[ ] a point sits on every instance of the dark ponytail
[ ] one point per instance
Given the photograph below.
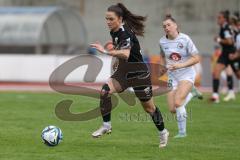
(133, 21)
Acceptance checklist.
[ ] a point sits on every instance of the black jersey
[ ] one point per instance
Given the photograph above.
(124, 38)
(226, 32)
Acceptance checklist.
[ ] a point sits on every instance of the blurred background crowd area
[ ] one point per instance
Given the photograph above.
(196, 18)
(67, 27)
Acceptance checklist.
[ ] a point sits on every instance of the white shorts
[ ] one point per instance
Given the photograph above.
(174, 77)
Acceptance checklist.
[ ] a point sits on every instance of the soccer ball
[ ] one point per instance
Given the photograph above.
(52, 135)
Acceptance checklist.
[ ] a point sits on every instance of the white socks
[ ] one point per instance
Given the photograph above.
(181, 119)
(215, 95)
(182, 115)
(107, 125)
(163, 131)
(188, 98)
(231, 91)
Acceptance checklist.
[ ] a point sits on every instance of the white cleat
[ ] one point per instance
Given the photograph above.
(230, 96)
(101, 131)
(215, 98)
(164, 139)
(196, 93)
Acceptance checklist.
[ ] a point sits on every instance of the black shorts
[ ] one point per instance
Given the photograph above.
(141, 83)
(224, 59)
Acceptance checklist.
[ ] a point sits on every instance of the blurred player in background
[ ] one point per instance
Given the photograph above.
(227, 72)
(179, 54)
(235, 20)
(124, 26)
(226, 40)
(235, 58)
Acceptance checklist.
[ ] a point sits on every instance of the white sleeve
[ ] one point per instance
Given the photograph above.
(238, 42)
(161, 51)
(191, 48)
(227, 34)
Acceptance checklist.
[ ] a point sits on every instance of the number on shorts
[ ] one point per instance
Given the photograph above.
(169, 83)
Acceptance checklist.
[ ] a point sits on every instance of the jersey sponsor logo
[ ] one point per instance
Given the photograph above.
(147, 90)
(175, 56)
(180, 45)
(166, 48)
(116, 39)
(126, 44)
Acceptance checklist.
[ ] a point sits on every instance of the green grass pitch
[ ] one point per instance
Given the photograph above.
(213, 131)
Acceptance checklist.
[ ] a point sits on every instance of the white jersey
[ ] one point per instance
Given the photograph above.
(178, 50)
(238, 42)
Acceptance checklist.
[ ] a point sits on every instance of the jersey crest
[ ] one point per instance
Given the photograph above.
(175, 56)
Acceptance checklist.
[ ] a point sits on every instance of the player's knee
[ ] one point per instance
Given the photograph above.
(105, 92)
(149, 108)
(238, 75)
(217, 72)
(178, 102)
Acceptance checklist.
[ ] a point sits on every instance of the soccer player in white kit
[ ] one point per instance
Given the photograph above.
(178, 54)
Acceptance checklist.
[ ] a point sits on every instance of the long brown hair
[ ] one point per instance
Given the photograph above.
(133, 21)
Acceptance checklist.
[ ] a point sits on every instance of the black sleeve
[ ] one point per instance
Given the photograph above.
(125, 40)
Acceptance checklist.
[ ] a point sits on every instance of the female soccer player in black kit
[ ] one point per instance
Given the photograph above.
(226, 40)
(124, 26)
